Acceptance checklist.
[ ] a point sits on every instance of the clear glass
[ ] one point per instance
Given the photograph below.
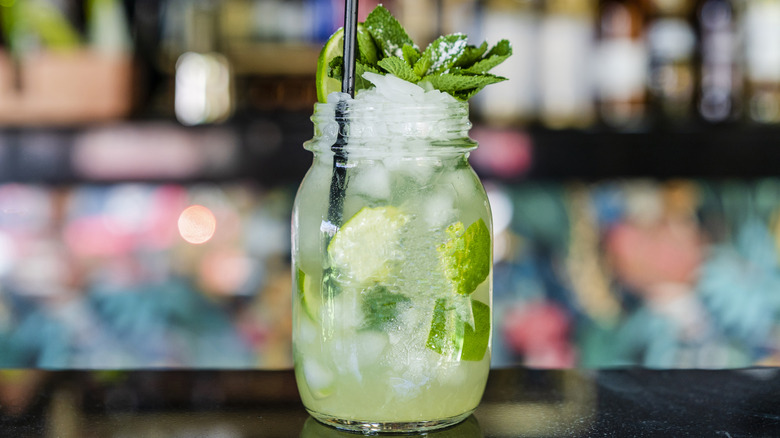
(391, 311)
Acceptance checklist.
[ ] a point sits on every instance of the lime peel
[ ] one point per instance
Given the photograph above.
(364, 248)
(466, 257)
(477, 338)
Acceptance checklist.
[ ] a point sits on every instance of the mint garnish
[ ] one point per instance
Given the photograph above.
(380, 306)
(400, 68)
(441, 55)
(448, 64)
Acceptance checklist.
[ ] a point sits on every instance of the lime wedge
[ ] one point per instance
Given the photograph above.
(365, 246)
(366, 53)
(309, 294)
(333, 47)
(466, 256)
(450, 335)
(476, 339)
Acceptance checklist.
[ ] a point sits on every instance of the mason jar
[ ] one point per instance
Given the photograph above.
(392, 267)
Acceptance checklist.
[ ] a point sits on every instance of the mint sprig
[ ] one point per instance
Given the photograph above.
(448, 64)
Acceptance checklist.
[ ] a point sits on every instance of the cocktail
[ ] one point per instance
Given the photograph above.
(392, 248)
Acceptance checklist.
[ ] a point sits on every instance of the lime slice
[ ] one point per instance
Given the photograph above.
(365, 246)
(476, 339)
(309, 294)
(366, 54)
(466, 256)
(451, 335)
(333, 48)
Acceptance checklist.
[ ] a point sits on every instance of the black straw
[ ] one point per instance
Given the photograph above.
(350, 46)
(338, 182)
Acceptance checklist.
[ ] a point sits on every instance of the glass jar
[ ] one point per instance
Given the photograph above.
(392, 266)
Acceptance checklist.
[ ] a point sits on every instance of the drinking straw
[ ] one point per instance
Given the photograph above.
(338, 182)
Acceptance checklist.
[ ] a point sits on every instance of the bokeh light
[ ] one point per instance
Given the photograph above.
(197, 224)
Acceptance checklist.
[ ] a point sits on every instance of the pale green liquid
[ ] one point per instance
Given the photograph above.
(368, 375)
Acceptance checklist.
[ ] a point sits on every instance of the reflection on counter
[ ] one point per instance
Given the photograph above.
(675, 274)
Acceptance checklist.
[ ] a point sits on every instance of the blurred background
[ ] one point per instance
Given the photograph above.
(150, 151)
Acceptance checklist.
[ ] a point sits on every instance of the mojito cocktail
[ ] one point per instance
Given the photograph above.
(392, 299)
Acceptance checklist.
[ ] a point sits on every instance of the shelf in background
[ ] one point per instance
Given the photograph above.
(716, 152)
(267, 148)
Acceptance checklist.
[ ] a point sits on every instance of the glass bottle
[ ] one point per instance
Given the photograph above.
(621, 65)
(720, 87)
(392, 266)
(567, 41)
(671, 43)
(514, 101)
(761, 28)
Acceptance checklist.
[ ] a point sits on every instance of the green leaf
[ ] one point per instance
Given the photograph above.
(399, 67)
(444, 52)
(387, 32)
(476, 339)
(360, 83)
(381, 306)
(422, 65)
(411, 54)
(454, 82)
(465, 95)
(367, 49)
(336, 71)
(336, 68)
(447, 330)
(497, 54)
(471, 54)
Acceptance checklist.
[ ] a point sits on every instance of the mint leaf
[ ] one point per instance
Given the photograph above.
(336, 68)
(465, 95)
(336, 71)
(497, 54)
(444, 52)
(387, 32)
(399, 68)
(411, 54)
(446, 334)
(381, 306)
(422, 65)
(471, 54)
(451, 82)
(360, 82)
(367, 50)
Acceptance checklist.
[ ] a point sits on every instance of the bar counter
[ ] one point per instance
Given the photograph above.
(518, 402)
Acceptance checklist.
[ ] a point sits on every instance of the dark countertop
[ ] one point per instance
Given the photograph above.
(518, 402)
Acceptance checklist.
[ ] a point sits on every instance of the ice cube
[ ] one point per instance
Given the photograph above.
(370, 345)
(319, 378)
(373, 183)
(395, 89)
(439, 209)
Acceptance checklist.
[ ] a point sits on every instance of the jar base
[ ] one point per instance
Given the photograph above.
(392, 427)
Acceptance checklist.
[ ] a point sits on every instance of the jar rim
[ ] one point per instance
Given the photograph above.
(373, 125)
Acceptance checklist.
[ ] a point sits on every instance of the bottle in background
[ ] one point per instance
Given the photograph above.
(671, 42)
(567, 43)
(761, 29)
(720, 87)
(204, 80)
(621, 65)
(513, 101)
